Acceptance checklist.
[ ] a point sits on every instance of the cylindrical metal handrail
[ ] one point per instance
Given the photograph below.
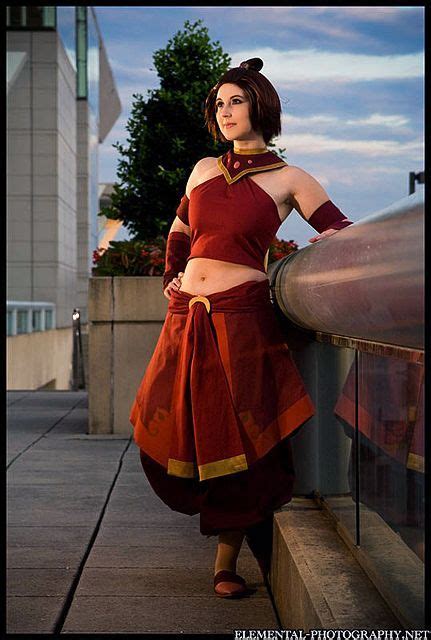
(366, 281)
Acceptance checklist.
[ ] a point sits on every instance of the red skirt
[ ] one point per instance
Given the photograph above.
(219, 398)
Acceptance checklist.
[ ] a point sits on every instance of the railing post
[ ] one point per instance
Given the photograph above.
(77, 355)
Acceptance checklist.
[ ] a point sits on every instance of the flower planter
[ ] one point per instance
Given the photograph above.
(125, 317)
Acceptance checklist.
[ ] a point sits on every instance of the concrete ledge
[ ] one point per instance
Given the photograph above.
(126, 315)
(315, 580)
(40, 358)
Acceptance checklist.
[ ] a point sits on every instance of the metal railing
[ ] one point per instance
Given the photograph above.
(352, 308)
(366, 281)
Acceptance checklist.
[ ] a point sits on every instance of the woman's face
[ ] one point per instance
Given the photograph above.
(233, 112)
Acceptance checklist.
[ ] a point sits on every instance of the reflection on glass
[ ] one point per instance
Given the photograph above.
(48, 16)
(391, 471)
(93, 64)
(66, 29)
(81, 51)
(336, 364)
(94, 185)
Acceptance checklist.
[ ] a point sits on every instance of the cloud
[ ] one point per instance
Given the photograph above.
(382, 120)
(373, 14)
(391, 121)
(305, 66)
(293, 18)
(143, 73)
(312, 144)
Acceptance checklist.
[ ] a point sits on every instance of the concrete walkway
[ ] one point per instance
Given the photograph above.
(92, 549)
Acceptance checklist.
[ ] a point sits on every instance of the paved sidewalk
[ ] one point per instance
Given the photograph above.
(92, 549)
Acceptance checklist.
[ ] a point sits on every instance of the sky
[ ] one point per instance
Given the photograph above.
(350, 80)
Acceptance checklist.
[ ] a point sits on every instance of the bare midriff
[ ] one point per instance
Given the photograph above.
(203, 276)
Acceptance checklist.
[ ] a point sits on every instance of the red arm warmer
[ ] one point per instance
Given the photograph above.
(183, 210)
(328, 216)
(177, 252)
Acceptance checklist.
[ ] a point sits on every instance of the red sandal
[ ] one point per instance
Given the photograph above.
(228, 584)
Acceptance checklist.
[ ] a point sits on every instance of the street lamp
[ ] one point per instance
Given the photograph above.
(415, 177)
(77, 358)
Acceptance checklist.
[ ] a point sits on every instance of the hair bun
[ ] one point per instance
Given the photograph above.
(255, 64)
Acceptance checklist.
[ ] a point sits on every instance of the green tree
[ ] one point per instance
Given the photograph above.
(167, 134)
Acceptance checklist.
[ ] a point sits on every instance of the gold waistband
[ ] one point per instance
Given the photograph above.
(200, 299)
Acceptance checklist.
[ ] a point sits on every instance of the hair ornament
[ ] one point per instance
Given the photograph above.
(254, 64)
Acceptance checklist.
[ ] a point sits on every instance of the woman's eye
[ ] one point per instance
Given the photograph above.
(234, 101)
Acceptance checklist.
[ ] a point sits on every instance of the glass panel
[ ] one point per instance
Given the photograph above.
(48, 17)
(81, 51)
(337, 400)
(66, 27)
(21, 321)
(34, 17)
(94, 187)
(9, 326)
(48, 319)
(93, 64)
(15, 17)
(391, 466)
(37, 319)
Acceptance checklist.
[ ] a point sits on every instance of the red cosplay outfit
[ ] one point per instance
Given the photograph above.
(221, 394)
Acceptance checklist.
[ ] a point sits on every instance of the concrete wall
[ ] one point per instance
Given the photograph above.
(83, 206)
(126, 315)
(41, 185)
(29, 367)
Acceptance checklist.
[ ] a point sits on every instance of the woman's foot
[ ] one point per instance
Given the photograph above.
(228, 584)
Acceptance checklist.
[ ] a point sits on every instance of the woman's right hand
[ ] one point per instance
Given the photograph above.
(174, 284)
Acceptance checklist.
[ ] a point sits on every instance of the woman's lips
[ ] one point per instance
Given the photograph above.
(229, 125)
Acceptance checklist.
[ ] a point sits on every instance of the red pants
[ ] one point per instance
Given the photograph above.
(216, 405)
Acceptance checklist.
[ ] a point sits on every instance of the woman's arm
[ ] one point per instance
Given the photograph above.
(312, 202)
(178, 242)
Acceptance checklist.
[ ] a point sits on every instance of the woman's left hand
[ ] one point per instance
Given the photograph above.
(324, 234)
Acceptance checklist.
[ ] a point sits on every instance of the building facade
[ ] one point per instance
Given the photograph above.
(61, 103)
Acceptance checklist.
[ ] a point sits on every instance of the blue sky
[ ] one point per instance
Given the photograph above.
(350, 79)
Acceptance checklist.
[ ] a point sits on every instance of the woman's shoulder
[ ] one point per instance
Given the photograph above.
(293, 176)
(200, 170)
(204, 164)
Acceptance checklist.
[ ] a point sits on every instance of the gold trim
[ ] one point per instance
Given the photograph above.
(200, 299)
(181, 469)
(251, 152)
(415, 462)
(230, 180)
(223, 467)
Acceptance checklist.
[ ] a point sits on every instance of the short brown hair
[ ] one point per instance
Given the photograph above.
(265, 106)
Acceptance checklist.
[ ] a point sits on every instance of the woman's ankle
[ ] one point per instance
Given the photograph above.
(228, 549)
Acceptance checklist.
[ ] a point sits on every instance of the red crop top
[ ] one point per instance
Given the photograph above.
(231, 218)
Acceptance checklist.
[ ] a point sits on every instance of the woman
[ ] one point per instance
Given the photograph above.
(221, 394)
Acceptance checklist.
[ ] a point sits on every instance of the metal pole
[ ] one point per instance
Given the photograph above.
(81, 357)
(75, 370)
(412, 180)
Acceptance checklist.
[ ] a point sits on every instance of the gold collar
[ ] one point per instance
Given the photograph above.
(249, 152)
